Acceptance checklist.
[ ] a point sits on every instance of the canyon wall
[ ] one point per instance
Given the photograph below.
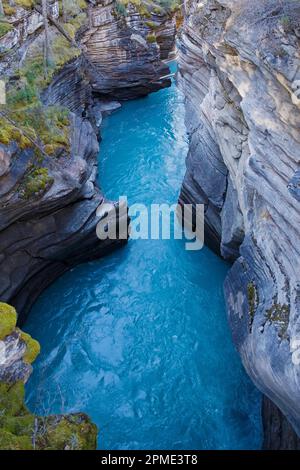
(125, 49)
(239, 67)
(48, 188)
(49, 195)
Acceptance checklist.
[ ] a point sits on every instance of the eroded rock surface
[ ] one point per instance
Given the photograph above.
(239, 67)
(20, 429)
(125, 50)
(48, 205)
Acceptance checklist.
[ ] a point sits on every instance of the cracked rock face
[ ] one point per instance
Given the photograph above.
(125, 51)
(239, 62)
(43, 236)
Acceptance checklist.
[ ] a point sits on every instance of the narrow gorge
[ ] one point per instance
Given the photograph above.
(138, 341)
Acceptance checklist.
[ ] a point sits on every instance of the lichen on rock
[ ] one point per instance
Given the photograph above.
(19, 428)
(8, 319)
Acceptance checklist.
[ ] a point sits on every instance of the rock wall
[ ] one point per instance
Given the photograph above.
(240, 70)
(42, 236)
(54, 227)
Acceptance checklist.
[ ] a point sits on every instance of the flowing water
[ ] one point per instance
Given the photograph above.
(139, 340)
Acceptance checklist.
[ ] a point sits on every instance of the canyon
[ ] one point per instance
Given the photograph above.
(45, 233)
(49, 194)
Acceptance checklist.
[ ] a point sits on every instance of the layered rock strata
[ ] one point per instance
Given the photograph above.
(240, 71)
(125, 49)
(49, 194)
(52, 227)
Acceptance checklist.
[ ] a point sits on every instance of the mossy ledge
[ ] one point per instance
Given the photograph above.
(19, 428)
(253, 300)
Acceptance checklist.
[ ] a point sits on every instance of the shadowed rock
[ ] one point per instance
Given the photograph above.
(239, 61)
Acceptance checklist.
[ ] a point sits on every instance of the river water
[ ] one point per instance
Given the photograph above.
(139, 340)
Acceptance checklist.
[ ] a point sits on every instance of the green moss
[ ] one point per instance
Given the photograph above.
(19, 425)
(82, 4)
(8, 10)
(36, 182)
(12, 400)
(25, 3)
(22, 430)
(49, 127)
(151, 38)
(4, 28)
(32, 348)
(151, 25)
(9, 441)
(279, 315)
(8, 319)
(252, 297)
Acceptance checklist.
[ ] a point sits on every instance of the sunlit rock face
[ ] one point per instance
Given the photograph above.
(239, 66)
(125, 49)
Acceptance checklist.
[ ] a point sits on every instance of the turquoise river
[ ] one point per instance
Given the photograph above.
(139, 340)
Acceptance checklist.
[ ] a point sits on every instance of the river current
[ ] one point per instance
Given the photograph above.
(139, 339)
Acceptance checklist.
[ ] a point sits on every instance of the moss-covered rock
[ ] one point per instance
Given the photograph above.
(5, 28)
(22, 430)
(9, 441)
(8, 319)
(32, 348)
(36, 182)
